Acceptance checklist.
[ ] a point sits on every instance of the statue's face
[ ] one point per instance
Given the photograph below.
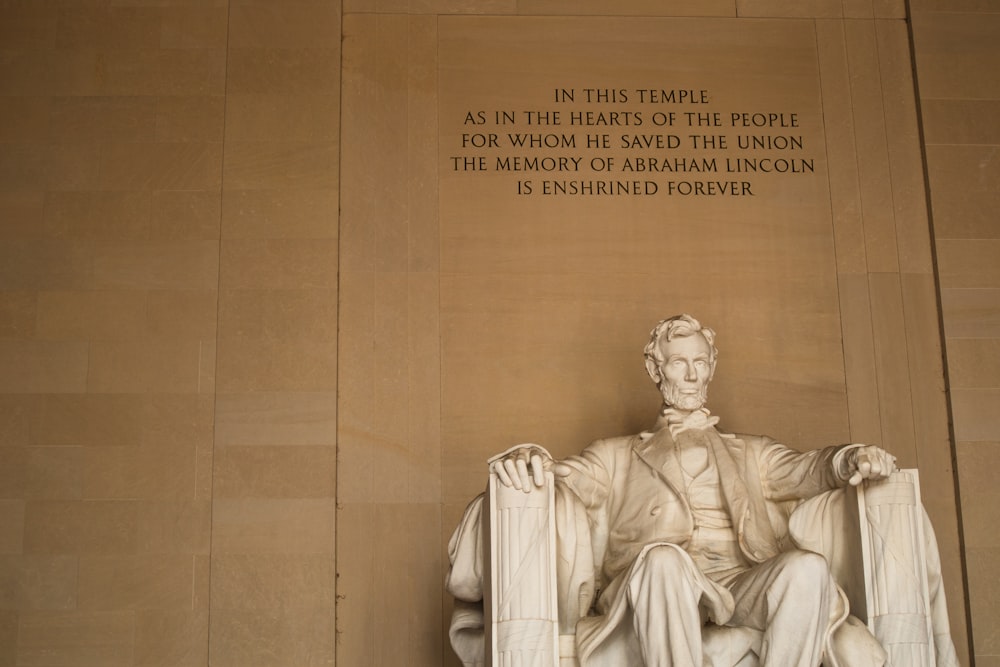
(686, 371)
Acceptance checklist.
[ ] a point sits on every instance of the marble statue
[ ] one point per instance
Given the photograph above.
(672, 547)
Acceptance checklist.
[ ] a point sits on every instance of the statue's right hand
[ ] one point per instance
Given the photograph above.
(524, 467)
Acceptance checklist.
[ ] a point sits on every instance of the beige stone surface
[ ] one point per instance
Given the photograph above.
(274, 525)
(284, 213)
(18, 312)
(161, 265)
(170, 184)
(286, 471)
(260, 165)
(164, 165)
(52, 473)
(22, 214)
(871, 147)
(955, 52)
(973, 362)
(39, 583)
(178, 215)
(962, 181)
(974, 413)
(300, 25)
(954, 48)
(249, 365)
(91, 315)
(163, 364)
(272, 470)
(190, 118)
(8, 638)
(140, 473)
(859, 359)
(71, 527)
(276, 418)
(25, 118)
(34, 265)
(28, 27)
(976, 463)
(957, 121)
(845, 186)
(183, 314)
(786, 9)
(410, 567)
(952, 6)
(251, 638)
(389, 406)
(970, 312)
(174, 526)
(295, 117)
(12, 527)
(891, 368)
(983, 570)
(70, 419)
(433, 7)
(196, 26)
(969, 263)
(630, 8)
(111, 217)
(36, 366)
(158, 581)
(171, 638)
(268, 70)
(85, 638)
(15, 413)
(908, 197)
(108, 118)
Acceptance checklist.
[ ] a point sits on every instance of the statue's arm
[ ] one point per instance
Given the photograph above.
(589, 475)
(789, 474)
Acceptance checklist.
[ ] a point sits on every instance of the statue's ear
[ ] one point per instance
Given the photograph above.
(654, 370)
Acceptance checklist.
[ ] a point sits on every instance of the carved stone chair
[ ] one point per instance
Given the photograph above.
(535, 584)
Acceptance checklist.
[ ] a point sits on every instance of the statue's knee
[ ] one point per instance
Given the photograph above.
(806, 568)
(666, 559)
(665, 573)
(664, 566)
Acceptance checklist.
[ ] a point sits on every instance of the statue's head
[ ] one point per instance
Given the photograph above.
(680, 358)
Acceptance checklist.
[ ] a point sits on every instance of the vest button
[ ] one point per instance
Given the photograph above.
(656, 510)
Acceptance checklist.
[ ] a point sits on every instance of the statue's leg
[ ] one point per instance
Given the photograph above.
(663, 594)
(789, 599)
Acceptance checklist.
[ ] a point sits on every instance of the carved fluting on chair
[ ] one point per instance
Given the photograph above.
(897, 595)
(521, 603)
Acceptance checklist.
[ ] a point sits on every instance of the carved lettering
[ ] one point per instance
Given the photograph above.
(605, 135)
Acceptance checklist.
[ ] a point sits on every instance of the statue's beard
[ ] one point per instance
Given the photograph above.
(681, 400)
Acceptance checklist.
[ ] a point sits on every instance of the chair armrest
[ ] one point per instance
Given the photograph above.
(521, 599)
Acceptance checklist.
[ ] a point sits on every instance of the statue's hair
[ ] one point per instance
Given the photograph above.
(678, 326)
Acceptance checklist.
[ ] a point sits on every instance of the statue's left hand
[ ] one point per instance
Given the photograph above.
(869, 462)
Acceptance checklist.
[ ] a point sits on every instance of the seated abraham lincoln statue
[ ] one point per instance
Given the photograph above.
(690, 536)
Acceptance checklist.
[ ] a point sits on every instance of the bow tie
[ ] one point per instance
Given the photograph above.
(698, 420)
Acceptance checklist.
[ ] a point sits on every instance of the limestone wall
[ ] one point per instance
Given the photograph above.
(956, 65)
(258, 333)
